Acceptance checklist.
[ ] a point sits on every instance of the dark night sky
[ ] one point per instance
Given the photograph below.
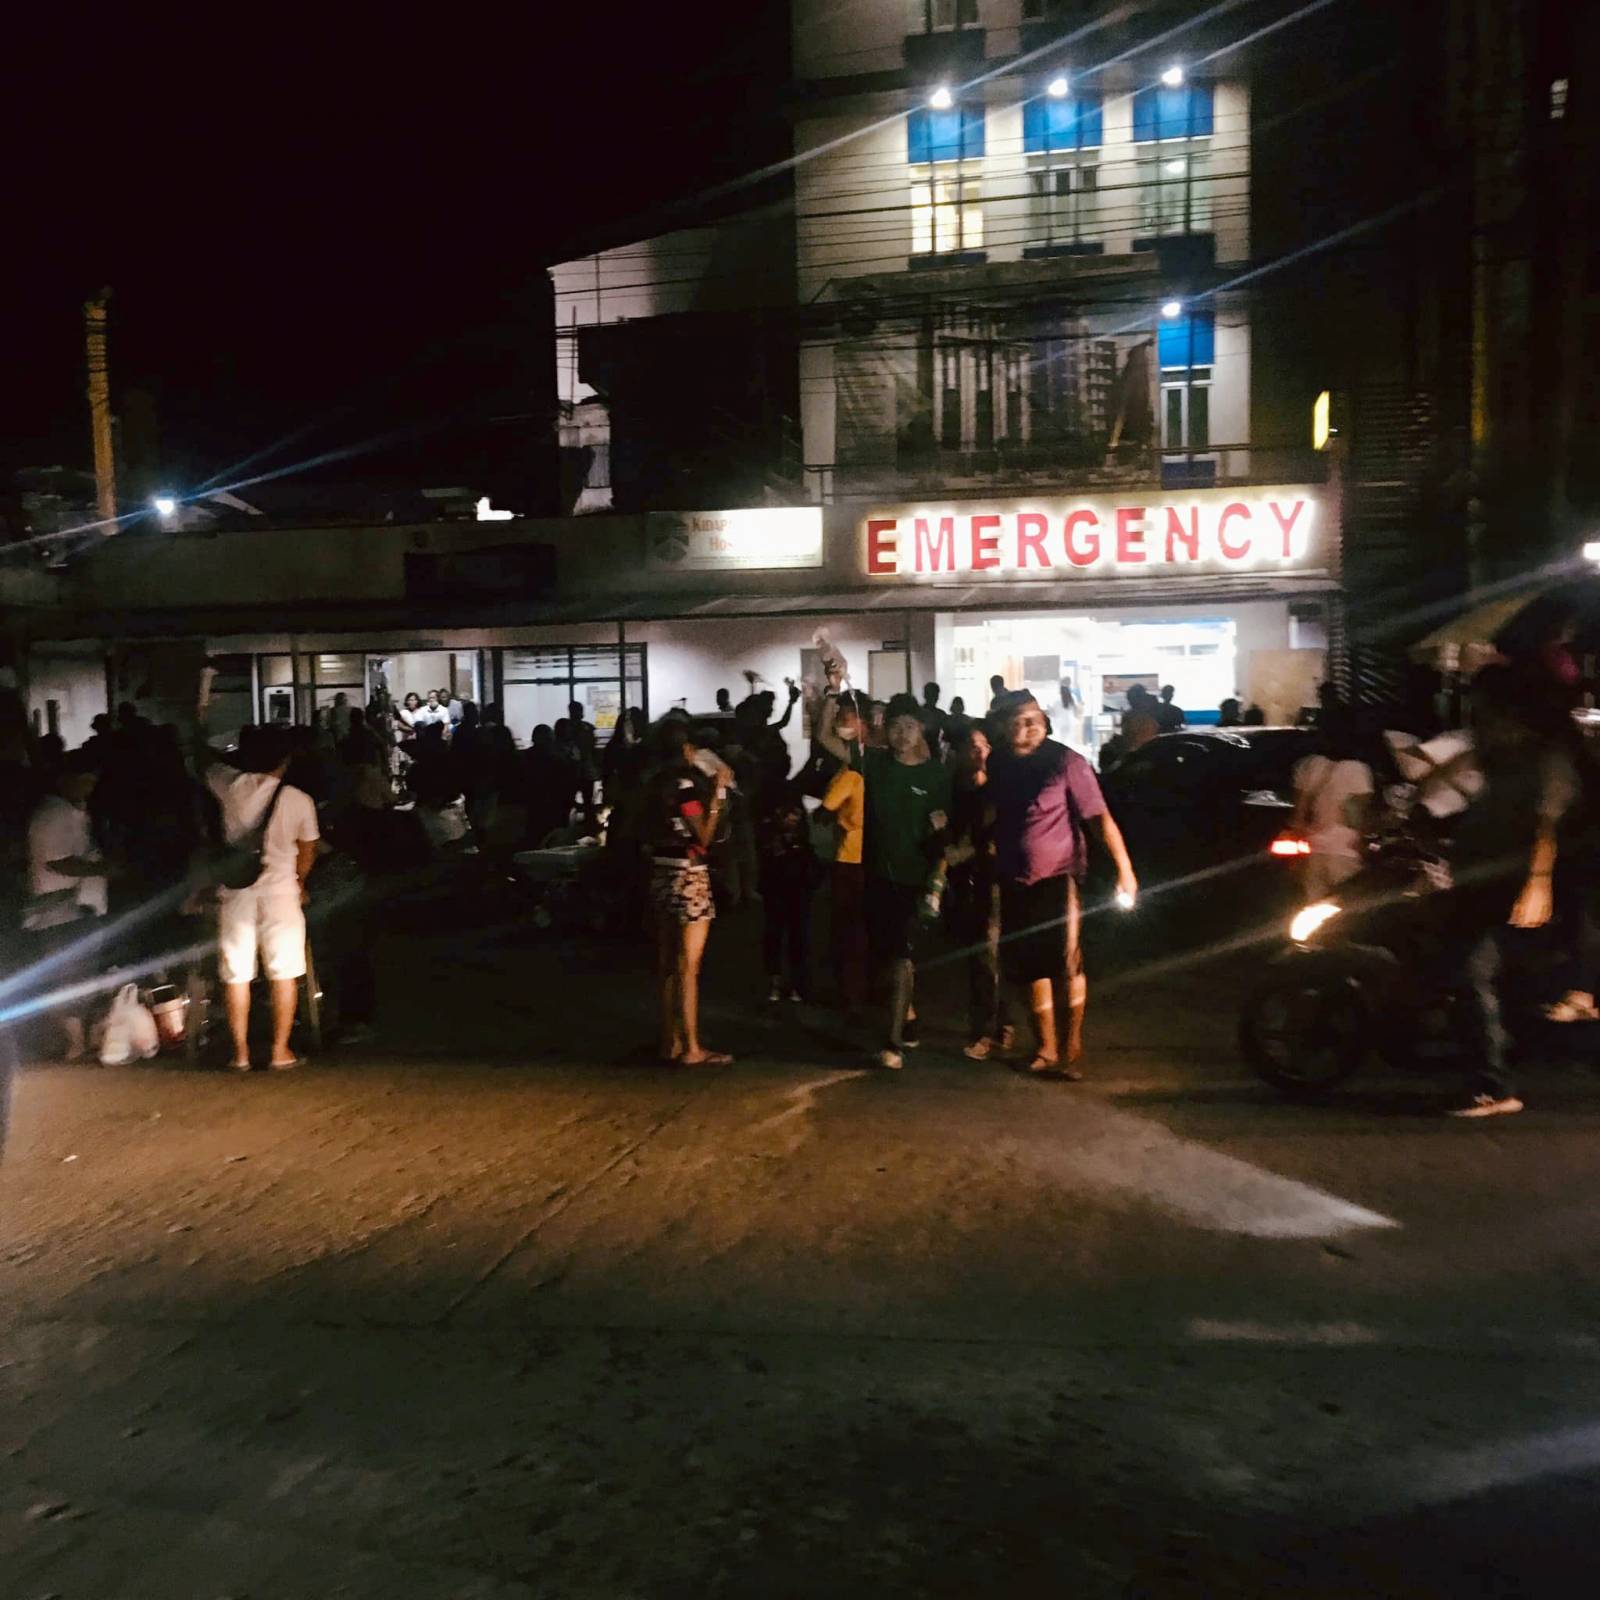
(332, 224)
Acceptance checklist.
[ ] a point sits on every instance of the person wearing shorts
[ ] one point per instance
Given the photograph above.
(684, 809)
(1046, 800)
(265, 925)
(907, 813)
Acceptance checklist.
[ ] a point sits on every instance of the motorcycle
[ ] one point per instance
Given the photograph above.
(1362, 972)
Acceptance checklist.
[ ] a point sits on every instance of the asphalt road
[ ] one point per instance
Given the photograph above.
(500, 1310)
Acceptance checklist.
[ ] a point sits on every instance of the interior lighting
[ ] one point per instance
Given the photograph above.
(1175, 168)
(1591, 551)
(1172, 310)
(1322, 431)
(164, 504)
(1057, 89)
(941, 99)
(1173, 77)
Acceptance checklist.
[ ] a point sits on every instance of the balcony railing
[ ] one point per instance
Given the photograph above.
(949, 474)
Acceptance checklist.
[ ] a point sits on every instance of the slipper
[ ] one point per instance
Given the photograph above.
(1043, 1067)
(284, 1066)
(707, 1058)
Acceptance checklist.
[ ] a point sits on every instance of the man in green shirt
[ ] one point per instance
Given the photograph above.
(907, 812)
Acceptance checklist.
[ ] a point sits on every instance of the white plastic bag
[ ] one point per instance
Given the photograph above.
(130, 1030)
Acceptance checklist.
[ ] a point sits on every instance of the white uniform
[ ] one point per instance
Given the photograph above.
(267, 920)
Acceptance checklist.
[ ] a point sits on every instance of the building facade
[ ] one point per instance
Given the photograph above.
(1015, 251)
(1048, 425)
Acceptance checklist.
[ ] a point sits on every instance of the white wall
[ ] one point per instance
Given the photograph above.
(1230, 382)
(690, 661)
(838, 38)
(851, 201)
(76, 682)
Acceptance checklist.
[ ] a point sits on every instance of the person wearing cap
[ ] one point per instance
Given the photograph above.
(1047, 802)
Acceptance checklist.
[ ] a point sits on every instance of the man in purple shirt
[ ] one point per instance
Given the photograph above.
(1046, 801)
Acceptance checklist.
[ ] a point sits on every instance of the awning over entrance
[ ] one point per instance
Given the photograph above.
(1033, 595)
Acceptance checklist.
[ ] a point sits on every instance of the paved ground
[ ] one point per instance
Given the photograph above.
(498, 1310)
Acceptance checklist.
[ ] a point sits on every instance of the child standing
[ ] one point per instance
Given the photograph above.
(788, 878)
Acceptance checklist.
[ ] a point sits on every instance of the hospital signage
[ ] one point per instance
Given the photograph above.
(1259, 530)
(761, 539)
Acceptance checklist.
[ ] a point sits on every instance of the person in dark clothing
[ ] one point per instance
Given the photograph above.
(1505, 858)
(550, 776)
(1230, 714)
(907, 796)
(586, 741)
(935, 724)
(724, 703)
(622, 765)
(957, 726)
(1169, 716)
(973, 899)
(788, 880)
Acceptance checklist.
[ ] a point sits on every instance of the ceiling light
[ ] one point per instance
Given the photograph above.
(1175, 168)
(1173, 77)
(1057, 89)
(941, 99)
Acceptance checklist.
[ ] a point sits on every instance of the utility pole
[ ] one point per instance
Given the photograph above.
(105, 467)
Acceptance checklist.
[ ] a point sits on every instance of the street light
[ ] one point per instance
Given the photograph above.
(1057, 89)
(1173, 77)
(1172, 310)
(941, 99)
(165, 505)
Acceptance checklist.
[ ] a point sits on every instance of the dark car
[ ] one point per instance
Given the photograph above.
(1201, 808)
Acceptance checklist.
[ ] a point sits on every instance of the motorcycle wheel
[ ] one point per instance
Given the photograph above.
(1305, 1034)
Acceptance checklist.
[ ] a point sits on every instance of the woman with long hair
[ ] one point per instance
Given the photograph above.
(684, 807)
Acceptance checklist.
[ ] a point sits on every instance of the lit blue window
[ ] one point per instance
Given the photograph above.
(1162, 113)
(953, 135)
(1188, 341)
(1064, 124)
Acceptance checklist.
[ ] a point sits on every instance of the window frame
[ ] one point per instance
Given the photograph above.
(933, 218)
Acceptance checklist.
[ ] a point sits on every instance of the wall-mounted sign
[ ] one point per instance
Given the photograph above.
(1168, 534)
(734, 541)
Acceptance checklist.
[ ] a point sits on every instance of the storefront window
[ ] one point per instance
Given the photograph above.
(1101, 659)
(542, 681)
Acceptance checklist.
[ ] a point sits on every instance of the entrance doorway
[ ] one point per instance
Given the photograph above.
(295, 688)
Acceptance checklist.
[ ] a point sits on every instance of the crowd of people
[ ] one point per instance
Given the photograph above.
(911, 817)
(899, 809)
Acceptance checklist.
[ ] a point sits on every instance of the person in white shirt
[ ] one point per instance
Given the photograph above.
(1333, 795)
(433, 714)
(265, 923)
(66, 885)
